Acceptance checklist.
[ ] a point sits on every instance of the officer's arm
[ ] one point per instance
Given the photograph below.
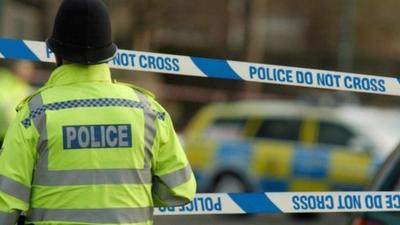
(173, 182)
(17, 158)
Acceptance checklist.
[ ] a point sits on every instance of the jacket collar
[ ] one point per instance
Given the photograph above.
(75, 73)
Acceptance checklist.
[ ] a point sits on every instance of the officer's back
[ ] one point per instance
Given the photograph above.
(87, 150)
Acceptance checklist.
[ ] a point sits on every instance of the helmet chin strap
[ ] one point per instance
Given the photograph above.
(59, 61)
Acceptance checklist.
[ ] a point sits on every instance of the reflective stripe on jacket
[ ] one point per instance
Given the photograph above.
(85, 150)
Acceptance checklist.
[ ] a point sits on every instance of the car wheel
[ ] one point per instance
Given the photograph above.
(229, 184)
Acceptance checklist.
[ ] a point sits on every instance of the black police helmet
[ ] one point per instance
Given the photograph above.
(82, 32)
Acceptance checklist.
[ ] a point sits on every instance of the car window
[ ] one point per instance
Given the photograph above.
(280, 128)
(226, 128)
(334, 134)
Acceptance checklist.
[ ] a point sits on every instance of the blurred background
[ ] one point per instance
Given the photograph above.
(246, 136)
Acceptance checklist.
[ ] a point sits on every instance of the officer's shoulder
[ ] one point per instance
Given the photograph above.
(25, 101)
(139, 89)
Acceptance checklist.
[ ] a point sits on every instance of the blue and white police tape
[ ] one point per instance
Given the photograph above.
(217, 68)
(285, 202)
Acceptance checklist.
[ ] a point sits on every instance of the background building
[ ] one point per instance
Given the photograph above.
(347, 35)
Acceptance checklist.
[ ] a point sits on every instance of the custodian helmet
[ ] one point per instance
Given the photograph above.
(82, 32)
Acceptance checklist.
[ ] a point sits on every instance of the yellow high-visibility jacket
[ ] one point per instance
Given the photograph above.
(85, 150)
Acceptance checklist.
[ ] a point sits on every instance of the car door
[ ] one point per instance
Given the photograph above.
(274, 153)
(348, 169)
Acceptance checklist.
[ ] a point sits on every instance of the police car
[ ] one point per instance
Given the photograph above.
(277, 146)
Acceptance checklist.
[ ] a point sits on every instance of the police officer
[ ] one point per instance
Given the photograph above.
(13, 88)
(86, 150)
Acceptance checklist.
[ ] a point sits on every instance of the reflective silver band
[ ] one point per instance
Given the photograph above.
(162, 192)
(150, 128)
(91, 177)
(42, 148)
(15, 189)
(178, 177)
(40, 123)
(162, 186)
(8, 218)
(96, 216)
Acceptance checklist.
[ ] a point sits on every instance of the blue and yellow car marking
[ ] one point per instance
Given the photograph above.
(282, 166)
(276, 165)
(310, 163)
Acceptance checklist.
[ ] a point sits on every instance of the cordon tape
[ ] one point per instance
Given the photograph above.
(287, 202)
(218, 68)
(246, 203)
